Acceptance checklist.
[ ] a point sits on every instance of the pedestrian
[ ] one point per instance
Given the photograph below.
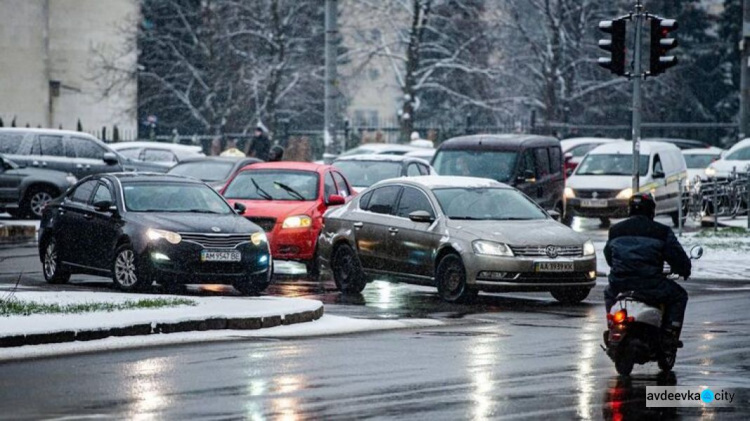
(276, 154)
(259, 145)
(232, 149)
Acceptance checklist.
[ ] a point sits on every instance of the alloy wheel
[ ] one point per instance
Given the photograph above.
(125, 268)
(50, 260)
(38, 201)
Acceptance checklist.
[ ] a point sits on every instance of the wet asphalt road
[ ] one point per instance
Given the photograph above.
(508, 356)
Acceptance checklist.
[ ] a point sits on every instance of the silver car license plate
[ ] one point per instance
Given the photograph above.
(553, 267)
(220, 256)
(594, 203)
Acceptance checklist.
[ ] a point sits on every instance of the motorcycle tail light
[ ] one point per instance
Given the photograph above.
(620, 316)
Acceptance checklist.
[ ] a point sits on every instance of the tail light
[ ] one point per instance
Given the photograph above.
(619, 317)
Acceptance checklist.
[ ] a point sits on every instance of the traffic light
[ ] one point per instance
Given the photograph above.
(616, 45)
(661, 44)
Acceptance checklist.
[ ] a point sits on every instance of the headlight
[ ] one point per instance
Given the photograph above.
(155, 234)
(258, 237)
(71, 179)
(491, 248)
(588, 248)
(569, 193)
(299, 221)
(710, 171)
(625, 194)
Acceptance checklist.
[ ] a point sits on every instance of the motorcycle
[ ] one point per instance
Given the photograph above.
(634, 335)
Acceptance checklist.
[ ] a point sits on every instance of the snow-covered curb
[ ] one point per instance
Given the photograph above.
(326, 325)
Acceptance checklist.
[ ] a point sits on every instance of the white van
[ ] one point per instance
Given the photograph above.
(601, 185)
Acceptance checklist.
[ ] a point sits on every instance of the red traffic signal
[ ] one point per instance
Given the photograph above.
(661, 43)
(615, 45)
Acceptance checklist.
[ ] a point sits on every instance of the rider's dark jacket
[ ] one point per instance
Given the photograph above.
(638, 247)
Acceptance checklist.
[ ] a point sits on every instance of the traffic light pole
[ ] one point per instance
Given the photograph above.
(637, 99)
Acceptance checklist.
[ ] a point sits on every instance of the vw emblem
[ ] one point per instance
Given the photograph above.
(551, 251)
(594, 195)
(215, 229)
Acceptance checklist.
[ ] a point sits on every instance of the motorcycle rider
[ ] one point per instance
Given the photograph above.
(635, 252)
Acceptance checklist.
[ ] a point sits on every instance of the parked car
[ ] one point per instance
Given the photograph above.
(78, 153)
(380, 149)
(737, 158)
(698, 160)
(601, 186)
(213, 170)
(288, 199)
(422, 153)
(533, 164)
(461, 234)
(574, 149)
(24, 192)
(140, 228)
(362, 171)
(680, 143)
(163, 153)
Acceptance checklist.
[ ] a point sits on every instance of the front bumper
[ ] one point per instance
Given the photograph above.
(615, 208)
(519, 273)
(293, 243)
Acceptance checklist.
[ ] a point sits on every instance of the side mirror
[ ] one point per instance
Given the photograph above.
(554, 214)
(110, 158)
(527, 177)
(105, 206)
(421, 216)
(240, 208)
(658, 174)
(335, 200)
(696, 252)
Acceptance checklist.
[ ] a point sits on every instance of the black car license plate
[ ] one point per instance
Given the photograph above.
(554, 267)
(220, 256)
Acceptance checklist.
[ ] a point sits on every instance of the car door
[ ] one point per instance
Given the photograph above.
(74, 235)
(89, 157)
(343, 188)
(10, 181)
(525, 177)
(48, 152)
(412, 245)
(553, 188)
(543, 177)
(371, 227)
(103, 226)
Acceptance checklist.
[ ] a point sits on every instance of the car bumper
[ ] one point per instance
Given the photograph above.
(616, 208)
(507, 274)
(293, 243)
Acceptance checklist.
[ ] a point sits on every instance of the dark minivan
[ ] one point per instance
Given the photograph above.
(532, 164)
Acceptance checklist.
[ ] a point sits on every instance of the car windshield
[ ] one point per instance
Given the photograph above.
(367, 173)
(699, 161)
(615, 164)
(358, 151)
(172, 197)
(273, 185)
(204, 170)
(487, 203)
(497, 165)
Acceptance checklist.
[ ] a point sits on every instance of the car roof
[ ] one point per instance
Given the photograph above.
(230, 159)
(498, 141)
(693, 143)
(713, 150)
(647, 148)
(151, 177)
(379, 146)
(156, 145)
(431, 182)
(741, 144)
(378, 157)
(44, 131)
(288, 165)
(575, 141)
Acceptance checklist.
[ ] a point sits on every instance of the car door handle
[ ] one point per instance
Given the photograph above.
(393, 230)
(358, 225)
(88, 215)
(61, 212)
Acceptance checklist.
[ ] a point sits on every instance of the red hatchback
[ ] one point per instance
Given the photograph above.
(287, 200)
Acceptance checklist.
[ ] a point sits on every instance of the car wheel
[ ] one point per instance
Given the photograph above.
(52, 266)
(451, 281)
(125, 272)
(35, 200)
(347, 270)
(571, 295)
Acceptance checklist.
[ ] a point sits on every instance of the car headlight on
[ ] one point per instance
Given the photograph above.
(569, 193)
(154, 234)
(588, 248)
(298, 221)
(710, 171)
(491, 248)
(71, 179)
(625, 194)
(258, 238)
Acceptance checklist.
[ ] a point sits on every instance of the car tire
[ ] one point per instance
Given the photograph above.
(451, 281)
(571, 295)
(35, 199)
(347, 270)
(54, 273)
(126, 274)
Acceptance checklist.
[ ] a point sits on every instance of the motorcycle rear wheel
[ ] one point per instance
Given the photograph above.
(624, 363)
(666, 360)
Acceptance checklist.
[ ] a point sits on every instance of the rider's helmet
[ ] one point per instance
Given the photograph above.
(642, 204)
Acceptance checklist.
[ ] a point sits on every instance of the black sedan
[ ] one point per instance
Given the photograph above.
(25, 191)
(214, 170)
(144, 227)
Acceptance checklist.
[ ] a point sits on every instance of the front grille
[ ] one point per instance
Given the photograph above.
(266, 224)
(600, 194)
(541, 251)
(216, 240)
(561, 278)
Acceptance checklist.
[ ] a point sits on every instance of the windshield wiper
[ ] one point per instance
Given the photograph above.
(200, 211)
(290, 190)
(264, 194)
(469, 218)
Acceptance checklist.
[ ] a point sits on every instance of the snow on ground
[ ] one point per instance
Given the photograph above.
(207, 307)
(326, 325)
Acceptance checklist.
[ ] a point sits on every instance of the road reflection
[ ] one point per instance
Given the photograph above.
(147, 387)
(625, 398)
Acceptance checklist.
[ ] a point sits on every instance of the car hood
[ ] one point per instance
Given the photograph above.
(196, 222)
(726, 166)
(520, 233)
(603, 182)
(276, 208)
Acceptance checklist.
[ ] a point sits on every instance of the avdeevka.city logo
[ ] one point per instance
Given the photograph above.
(683, 396)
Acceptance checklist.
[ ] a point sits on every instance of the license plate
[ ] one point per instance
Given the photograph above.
(594, 203)
(554, 267)
(220, 256)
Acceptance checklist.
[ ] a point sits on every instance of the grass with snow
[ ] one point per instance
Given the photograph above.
(732, 232)
(14, 307)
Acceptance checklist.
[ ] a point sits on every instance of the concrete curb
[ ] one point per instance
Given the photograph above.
(10, 234)
(242, 323)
